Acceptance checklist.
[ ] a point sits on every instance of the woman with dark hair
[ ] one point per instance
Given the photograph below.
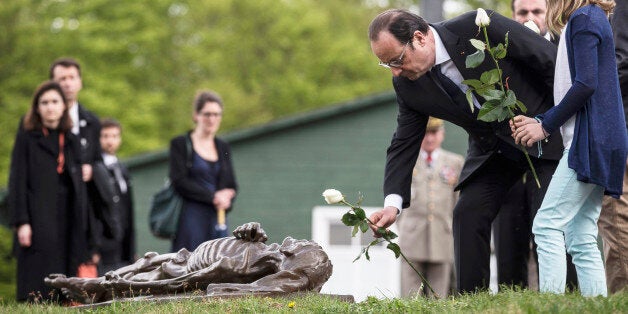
(202, 173)
(46, 196)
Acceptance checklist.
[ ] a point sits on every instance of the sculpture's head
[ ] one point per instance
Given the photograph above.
(307, 258)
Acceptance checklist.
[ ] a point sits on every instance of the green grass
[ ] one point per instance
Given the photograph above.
(509, 301)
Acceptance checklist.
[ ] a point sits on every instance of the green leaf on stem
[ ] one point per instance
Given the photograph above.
(490, 111)
(391, 235)
(395, 248)
(359, 212)
(478, 44)
(506, 41)
(469, 94)
(510, 101)
(382, 231)
(491, 94)
(499, 52)
(472, 83)
(355, 230)
(491, 77)
(366, 253)
(475, 59)
(521, 106)
(350, 219)
(364, 226)
(364, 249)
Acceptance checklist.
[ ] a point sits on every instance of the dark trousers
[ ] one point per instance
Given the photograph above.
(480, 200)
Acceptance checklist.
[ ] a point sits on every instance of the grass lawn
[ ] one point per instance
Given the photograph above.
(509, 301)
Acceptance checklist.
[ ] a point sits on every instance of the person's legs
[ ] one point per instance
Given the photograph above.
(613, 226)
(581, 240)
(478, 204)
(410, 281)
(437, 274)
(511, 236)
(565, 196)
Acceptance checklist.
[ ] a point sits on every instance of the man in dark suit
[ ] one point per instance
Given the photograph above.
(414, 51)
(613, 223)
(114, 203)
(85, 125)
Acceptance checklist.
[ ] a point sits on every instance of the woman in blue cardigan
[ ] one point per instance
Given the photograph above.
(588, 110)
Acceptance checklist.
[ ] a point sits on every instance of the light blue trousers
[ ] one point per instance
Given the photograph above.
(568, 218)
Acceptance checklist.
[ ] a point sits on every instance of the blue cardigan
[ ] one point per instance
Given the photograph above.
(598, 150)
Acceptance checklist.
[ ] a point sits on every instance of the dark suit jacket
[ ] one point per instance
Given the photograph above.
(89, 128)
(114, 210)
(187, 187)
(529, 67)
(619, 22)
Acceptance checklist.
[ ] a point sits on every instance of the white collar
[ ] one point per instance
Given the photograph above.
(434, 154)
(74, 115)
(109, 159)
(440, 53)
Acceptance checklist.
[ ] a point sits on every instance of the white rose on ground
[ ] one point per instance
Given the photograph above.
(333, 196)
(481, 18)
(531, 25)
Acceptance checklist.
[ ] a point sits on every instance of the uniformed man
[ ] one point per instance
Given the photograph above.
(425, 228)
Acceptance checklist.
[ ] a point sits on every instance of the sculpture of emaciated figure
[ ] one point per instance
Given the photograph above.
(232, 265)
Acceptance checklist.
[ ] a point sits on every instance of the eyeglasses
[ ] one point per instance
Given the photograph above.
(211, 114)
(397, 63)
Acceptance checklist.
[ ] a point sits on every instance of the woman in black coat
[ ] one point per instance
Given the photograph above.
(46, 196)
(202, 173)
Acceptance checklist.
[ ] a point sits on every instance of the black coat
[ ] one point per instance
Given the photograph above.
(89, 130)
(187, 187)
(530, 68)
(115, 213)
(33, 188)
(619, 23)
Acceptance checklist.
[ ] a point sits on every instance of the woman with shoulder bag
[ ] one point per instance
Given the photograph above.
(205, 180)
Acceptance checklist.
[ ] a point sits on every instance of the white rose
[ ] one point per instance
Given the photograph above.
(482, 19)
(531, 25)
(333, 196)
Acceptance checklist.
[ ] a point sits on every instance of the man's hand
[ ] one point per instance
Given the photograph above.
(383, 219)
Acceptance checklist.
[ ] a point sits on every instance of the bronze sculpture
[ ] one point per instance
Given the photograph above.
(239, 264)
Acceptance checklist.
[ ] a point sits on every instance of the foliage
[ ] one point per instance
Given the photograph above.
(508, 301)
(143, 61)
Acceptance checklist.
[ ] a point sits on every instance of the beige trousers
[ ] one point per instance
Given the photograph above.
(613, 228)
(437, 274)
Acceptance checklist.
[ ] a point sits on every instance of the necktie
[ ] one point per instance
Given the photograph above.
(428, 160)
(454, 92)
(117, 173)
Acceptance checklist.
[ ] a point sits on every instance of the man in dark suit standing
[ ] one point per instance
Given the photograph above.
(426, 60)
(114, 203)
(613, 223)
(67, 72)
